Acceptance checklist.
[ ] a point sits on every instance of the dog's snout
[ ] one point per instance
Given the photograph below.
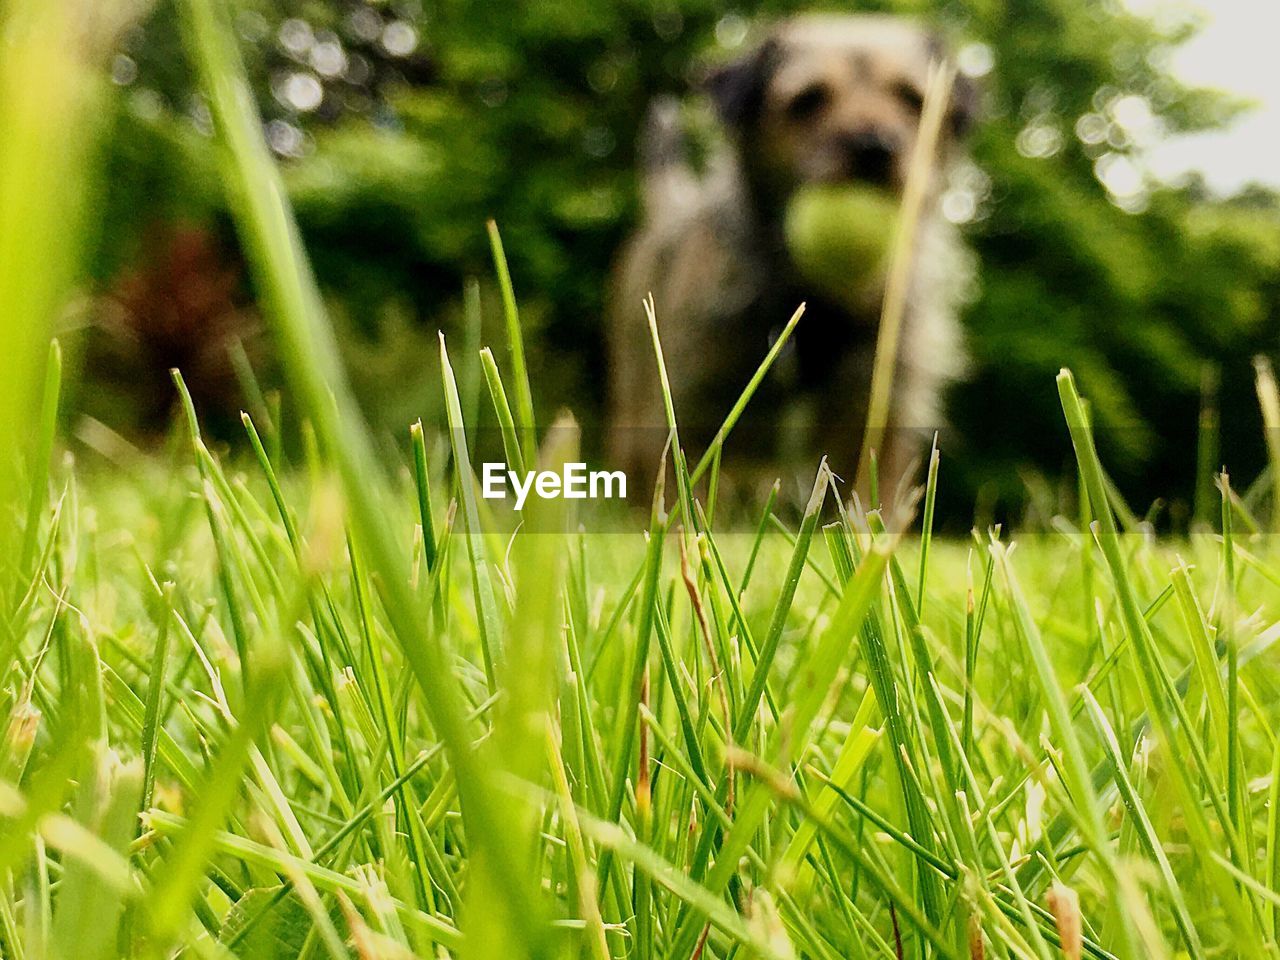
(870, 155)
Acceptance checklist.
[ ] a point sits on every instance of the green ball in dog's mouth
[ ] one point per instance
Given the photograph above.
(840, 237)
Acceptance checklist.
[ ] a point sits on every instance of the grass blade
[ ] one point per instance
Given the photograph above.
(515, 342)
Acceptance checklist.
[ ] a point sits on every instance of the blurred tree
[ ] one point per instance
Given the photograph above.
(405, 125)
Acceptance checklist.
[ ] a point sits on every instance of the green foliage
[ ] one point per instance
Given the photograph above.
(529, 114)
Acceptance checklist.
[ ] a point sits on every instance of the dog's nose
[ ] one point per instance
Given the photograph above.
(870, 156)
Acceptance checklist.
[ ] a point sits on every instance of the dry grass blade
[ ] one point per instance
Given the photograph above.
(918, 183)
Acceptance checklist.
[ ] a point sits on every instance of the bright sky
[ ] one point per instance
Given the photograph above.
(1238, 50)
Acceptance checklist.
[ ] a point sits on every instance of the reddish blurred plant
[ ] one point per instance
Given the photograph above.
(184, 306)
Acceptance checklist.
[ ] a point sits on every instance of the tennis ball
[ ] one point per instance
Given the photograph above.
(840, 236)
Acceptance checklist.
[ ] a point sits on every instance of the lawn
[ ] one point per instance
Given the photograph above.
(816, 741)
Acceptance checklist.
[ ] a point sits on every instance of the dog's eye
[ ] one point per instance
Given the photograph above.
(808, 102)
(909, 96)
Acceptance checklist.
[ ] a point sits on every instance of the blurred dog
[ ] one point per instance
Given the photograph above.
(823, 99)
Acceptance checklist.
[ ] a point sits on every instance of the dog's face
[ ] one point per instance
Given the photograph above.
(832, 99)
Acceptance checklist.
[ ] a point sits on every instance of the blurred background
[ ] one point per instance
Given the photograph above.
(1121, 201)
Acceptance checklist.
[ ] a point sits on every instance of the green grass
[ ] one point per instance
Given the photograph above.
(322, 709)
(214, 632)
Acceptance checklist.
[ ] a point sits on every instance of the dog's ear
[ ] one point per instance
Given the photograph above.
(737, 88)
